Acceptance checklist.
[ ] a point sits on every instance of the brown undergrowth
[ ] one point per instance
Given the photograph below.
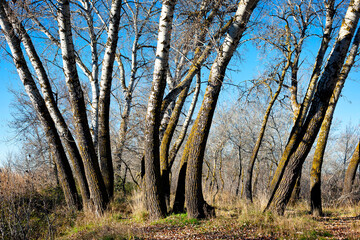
(235, 220)
(31, 206)
(29, 212)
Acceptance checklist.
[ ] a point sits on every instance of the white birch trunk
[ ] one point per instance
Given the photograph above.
(97, 189)
(104, 98)
(94, 80)
(58, 119)
(156, 202)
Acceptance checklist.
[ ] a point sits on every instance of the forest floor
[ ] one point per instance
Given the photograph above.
(231, 223)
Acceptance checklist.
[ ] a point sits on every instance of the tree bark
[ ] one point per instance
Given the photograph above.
(94, 79)
(313, 121)
(200, 58)
(167, 158)
(351, 172)
(165, 166)
(61, 126)
(196, 206)
(295, 195)
(154, 197)
(97, 188)
(179, 202)
(315, 174)
(104, 142)
(175, 148)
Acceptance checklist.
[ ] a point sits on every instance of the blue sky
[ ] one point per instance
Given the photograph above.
(346, 110)
(8, 79)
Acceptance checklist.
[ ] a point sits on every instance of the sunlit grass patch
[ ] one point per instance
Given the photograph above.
(314, 235)
(294, 224)
(178, 219)
(90, 226)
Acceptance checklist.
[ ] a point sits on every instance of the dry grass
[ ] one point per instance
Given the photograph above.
(28, 204)
(91, 226)
(127, 218)
(116, 223)
(250, 215)
(138, 208)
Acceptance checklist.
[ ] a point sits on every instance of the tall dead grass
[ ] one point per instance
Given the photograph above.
(27, 201)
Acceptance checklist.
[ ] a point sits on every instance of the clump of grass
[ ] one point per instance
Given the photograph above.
(91, 226)
(138, 209)
(178, 220)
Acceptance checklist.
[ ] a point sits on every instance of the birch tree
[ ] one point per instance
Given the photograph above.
(188, 45)
(65, 134)
(83, 159)
(66, 178)
(154, 198)
(318, 108)
(104, 98)
(315, 174)
(304, 107)
(97, 188)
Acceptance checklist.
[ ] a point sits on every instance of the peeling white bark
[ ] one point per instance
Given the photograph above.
(97, 189)
(156, 202)
(104, 98)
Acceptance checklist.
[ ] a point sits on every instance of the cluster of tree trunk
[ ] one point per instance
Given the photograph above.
(85, 154)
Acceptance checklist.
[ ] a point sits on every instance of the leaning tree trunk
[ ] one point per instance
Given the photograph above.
(105, 158)
(306, 101)
(97, 188)
(61, 126)
(200, 57)
(315, 174)
(196, 205)
(318, 108)
(154, 198)
(165, 166)
(179, 202)
(351, 172)
(167, 158)
(65, 175)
